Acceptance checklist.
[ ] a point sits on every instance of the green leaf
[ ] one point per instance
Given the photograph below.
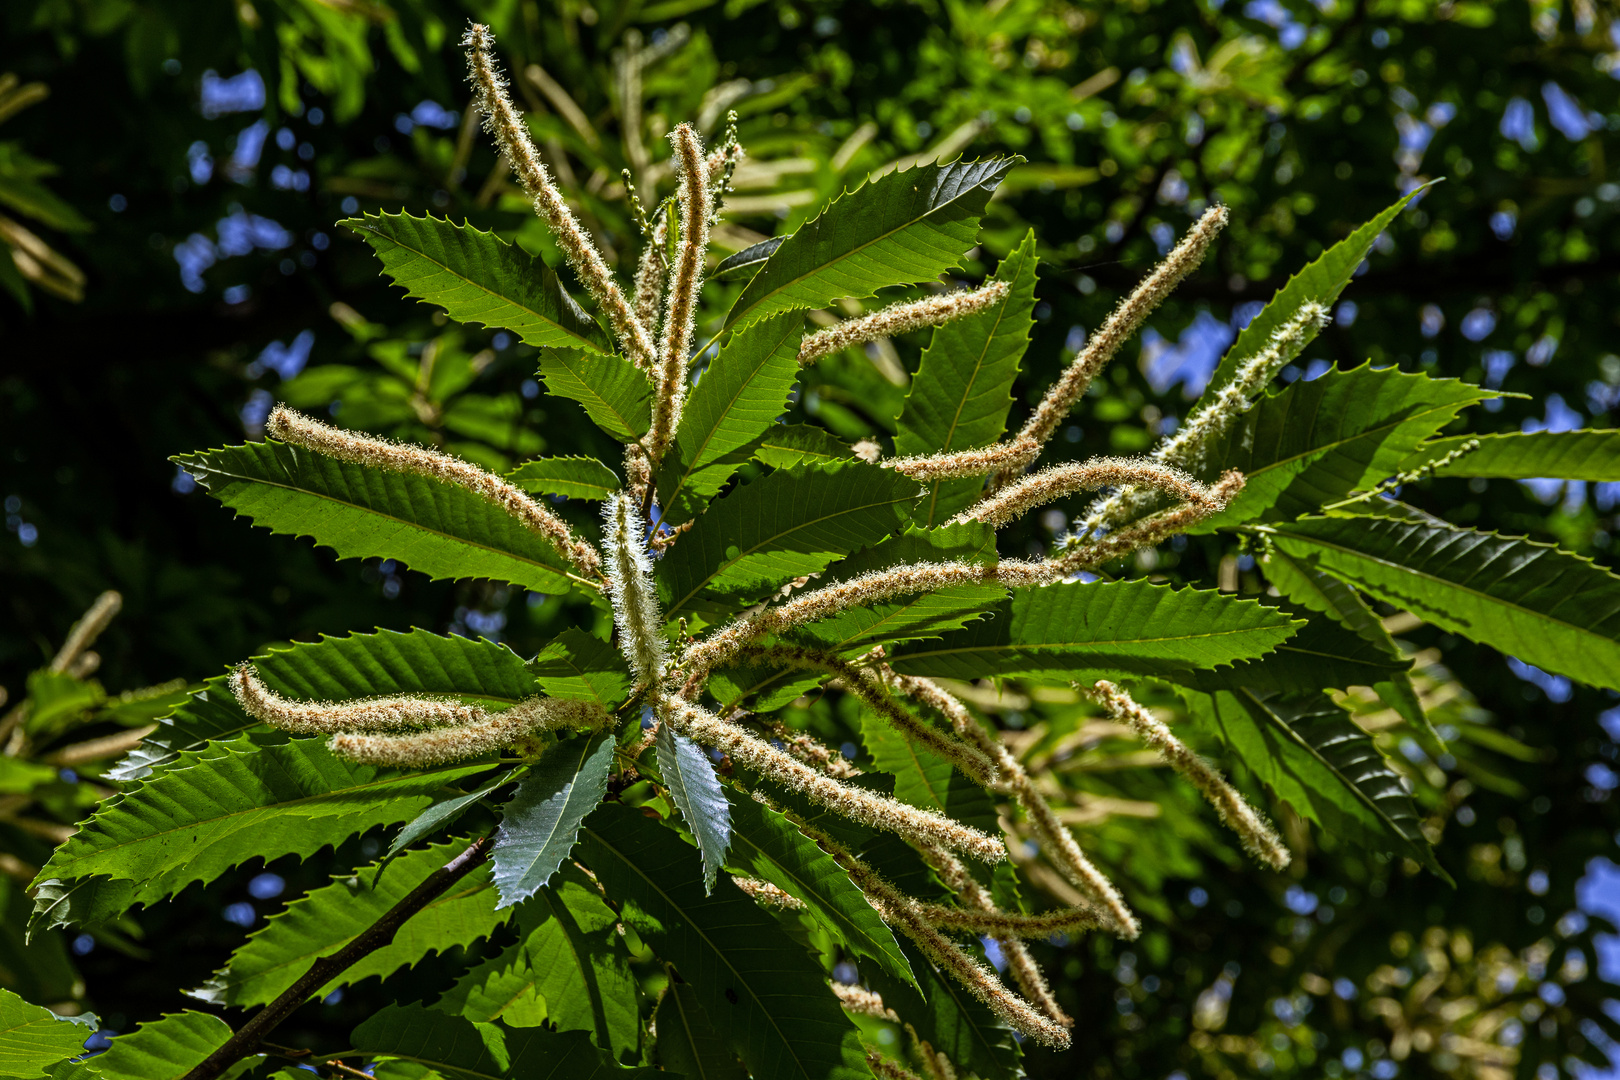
(579, 667)
(766, 997)
(738, 399)
(542, 821)
(328, 918)
(687, 1042)
(1567, 455)
(1084, 631)
(616, 394)
(1309, 752)
(479, 278)
(336, 669)
(1303, 582)
(575, 477)
(1322, 654)
(32, 1037)
(439, 529)
(767, 846)
(167, 1049)
(902, 228)
(57, 699)
(695, 790)
(748, 260)
(570, 970)
(459, 1049)
(960, 397)
(220, 807)
(951, 1020)
(790, 523)
(440, 816)
(1321, 281)
(1315, 442)
(1545, 606)
(787, 445)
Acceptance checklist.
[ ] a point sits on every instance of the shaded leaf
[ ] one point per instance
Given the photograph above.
(441, 530)
(695, 790)
(575, 477)
(579, 667)
(1533, 601)
(459, 1049)
(787, 445)
(542, 821)
(1568, 455)
(768, 1000)
(440, 816)
(952, 1021)
(616, 394)
(748, 260)
(901, 228)
(961, 394)
(478, 278)
(687, 1042)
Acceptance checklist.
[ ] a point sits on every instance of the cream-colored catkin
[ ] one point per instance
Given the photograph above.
(328, 717)
(495, 732)
(297, 429)
(857, 804)
(505, 123)
(1011, 456)
(1148, 532)
(1255, 833)
(1058, 844)
(652, 271)
(636, 611)
(1038, 489)
(686, 281)
(887, 1068)
(1002, 924)
(765, 894)
(858, 999)
(865, 685)
(87, 629)
(1118, 328)
(814, 753)
(900, 319)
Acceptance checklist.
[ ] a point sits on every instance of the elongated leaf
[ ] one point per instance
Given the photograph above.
(440, 816)
(737, 400)
(32, 1038)
(695, 790)
(766, 997)
(579, 667)
(952, 1021)
(1315, 442)
(575, 477)
(1321, 281)
(787, 445)
(167, 1049)
(767, 846)
(438, 529)
(1304, 583)
(1084, 631)
(790, 523)
(1309, 752)
(459, 1049)
(616, 394)
(1545, 606)
(748, 260)
(326, 919)
(335, 669)
(542, 820)
(1567, 455)
(218, 808)
(902, 228)
(1322, 654)
(960, 397)
(570, 970)
(478, 278)
(687, 1042)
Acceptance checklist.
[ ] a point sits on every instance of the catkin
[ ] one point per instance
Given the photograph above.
(857, 804)
(327, 717)
(299, 430)
(1011, 456)
(900, 319)
(1255, 833)
(636, 610)
(494, 732)
(1043, 487)
(505, 123)
(87, 629)
(686, 281)
(651, 273)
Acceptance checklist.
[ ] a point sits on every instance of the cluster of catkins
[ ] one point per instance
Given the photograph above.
(654, 328)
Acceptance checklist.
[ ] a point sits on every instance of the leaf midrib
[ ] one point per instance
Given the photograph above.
(714, 948)
(998, 649)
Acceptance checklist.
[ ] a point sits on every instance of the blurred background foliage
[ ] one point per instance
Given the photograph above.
(170, 176)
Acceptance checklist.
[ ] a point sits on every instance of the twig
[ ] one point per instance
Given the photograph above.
(376, 936)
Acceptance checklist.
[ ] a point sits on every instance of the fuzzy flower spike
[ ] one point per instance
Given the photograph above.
(686, 281)
(636, 611)
(505, 123)
(901, 318)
